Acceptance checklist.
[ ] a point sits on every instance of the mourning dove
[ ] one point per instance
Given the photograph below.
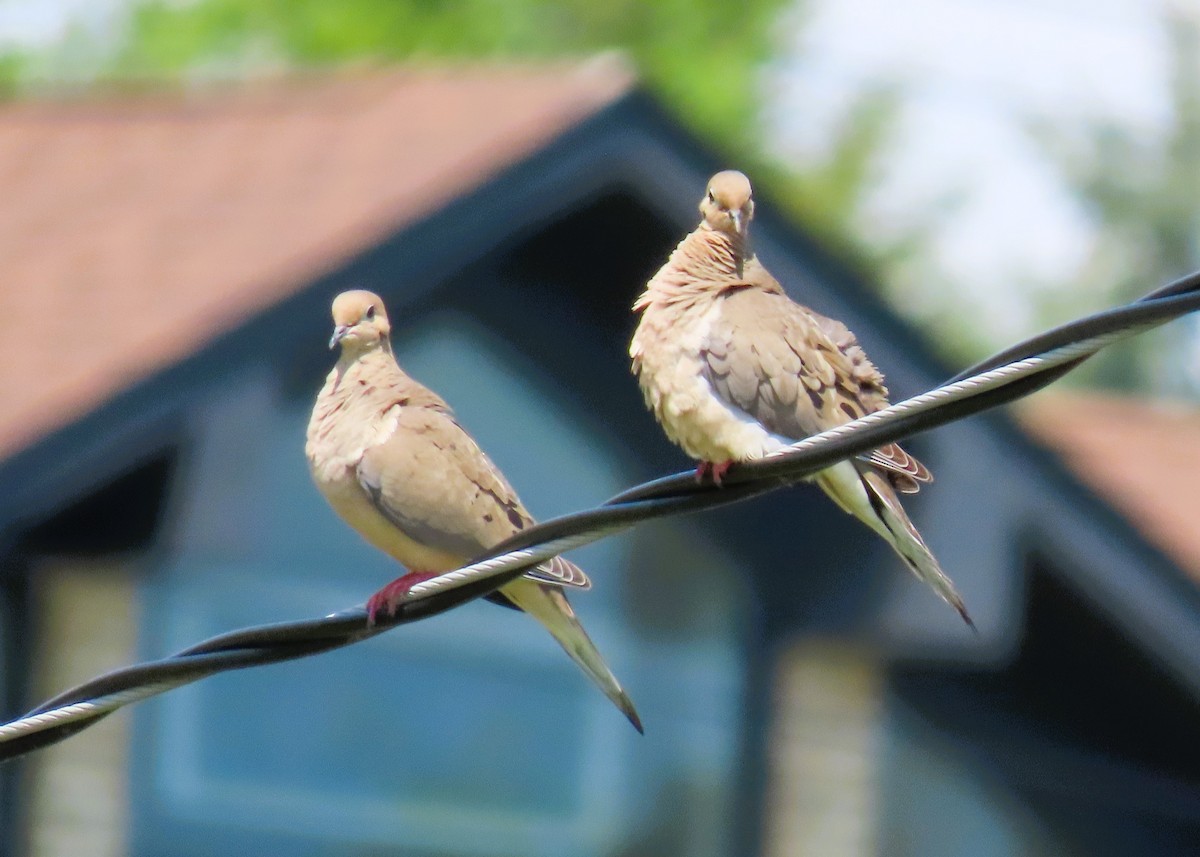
(733, 370)
(389, 456)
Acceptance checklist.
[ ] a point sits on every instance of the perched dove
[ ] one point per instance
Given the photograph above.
(733, 370)
(390, 458)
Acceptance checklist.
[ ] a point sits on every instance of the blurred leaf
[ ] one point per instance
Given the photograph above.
(12, 65)
(703, 56)
(1143, 196)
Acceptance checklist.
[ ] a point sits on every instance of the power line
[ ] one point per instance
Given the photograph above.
(1009, 375)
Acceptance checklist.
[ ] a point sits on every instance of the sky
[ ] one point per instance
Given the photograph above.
(973, 72)
(38, 22)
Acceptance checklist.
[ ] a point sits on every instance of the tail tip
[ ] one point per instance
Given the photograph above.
(626, 706)
(966, 617)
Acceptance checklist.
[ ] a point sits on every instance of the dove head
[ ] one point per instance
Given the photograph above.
(728, 206)
(359, 321)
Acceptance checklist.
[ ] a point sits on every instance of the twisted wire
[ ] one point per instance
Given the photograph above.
(1011, 374)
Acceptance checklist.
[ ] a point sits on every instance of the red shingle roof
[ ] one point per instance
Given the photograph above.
(1142, 457)
(128, 226)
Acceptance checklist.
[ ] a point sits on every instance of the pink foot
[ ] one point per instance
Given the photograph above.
(716, 469)
(386, 600)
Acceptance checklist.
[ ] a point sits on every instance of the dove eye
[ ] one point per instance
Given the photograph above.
(371, 312)
(711, 196)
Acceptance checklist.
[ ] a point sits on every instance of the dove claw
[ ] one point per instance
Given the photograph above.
(387, 599)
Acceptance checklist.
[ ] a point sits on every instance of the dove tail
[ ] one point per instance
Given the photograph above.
(866, 494)
(549, 605)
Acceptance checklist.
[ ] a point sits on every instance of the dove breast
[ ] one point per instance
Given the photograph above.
(335, 450)
(670, 354)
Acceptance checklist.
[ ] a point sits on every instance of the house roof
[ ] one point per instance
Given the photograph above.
(135, 229)
(1141, 456)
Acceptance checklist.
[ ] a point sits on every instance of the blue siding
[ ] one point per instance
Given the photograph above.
(938, 801)
(470, 733)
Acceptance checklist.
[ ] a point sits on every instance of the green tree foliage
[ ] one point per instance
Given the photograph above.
(1143, 197)
(704, 57)
(11, 65)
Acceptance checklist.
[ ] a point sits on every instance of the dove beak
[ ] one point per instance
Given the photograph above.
(738, 221)
(339, 334)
